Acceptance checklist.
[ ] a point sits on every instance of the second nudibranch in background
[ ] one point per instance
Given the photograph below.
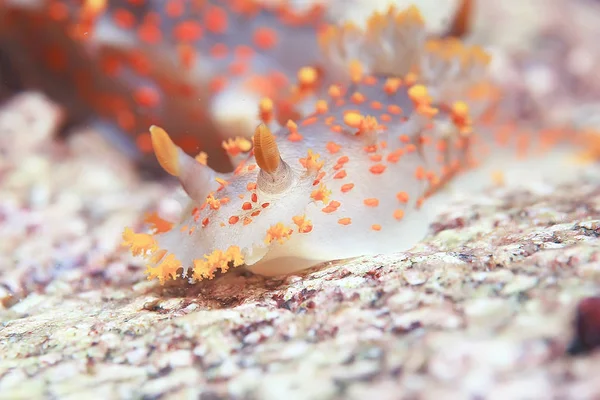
(353, 178)
(197, 68)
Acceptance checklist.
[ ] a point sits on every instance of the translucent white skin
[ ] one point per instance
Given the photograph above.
(367, 228)
(328, 239)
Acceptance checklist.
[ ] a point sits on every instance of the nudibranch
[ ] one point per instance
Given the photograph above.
(349, 179)
(356, 176)
(197, 68)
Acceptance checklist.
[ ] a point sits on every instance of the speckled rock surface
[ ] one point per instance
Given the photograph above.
(481, 308)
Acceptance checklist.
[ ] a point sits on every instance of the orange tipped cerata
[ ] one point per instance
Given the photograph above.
(166, 152)
(265, 149)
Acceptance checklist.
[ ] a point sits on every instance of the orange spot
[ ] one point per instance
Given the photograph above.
(340, 175)
(344, 221)
(265, 38)
(391, 85)
(356, 71)
(343, 160)
(146, 97)
(187, 31)
(347, 187)
(247, 206)
(357, 98)
(251, 186)
(422, 101)
(266, 109)
(123, 18)
(331, 207)
(322, 107)
(309, 121)
(333, 147)
(215, 20)
(420, 173)
(370, 80)
(398, 214)
(149, 33)
(334, 91)
(307, 77)
(217, 84)
(402, 197)
(158, 224)
(139, 63)
(376, 227)
(376, 105)
(295, 136)
(394, 109)
(371, 202)
(394, 156)
(353, 119)
(377, 169)
(319, 177)
(58, 11)
(174, 8)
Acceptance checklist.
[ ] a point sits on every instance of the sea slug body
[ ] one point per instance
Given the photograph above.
(354, 177)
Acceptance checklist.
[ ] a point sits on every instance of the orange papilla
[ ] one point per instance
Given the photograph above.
(265, 38)
(188, 31)
(58, 11)
(215, 19)
(149, 33)
(146, 96)
(174, 8)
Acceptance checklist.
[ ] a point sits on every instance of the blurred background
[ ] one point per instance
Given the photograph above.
(107, 65)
